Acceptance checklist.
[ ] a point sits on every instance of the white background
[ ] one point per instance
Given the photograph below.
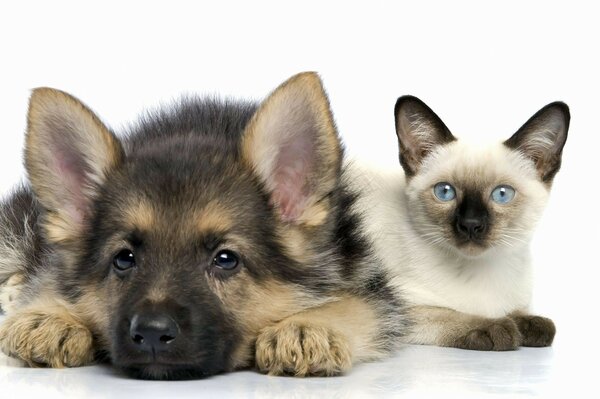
(484, 68)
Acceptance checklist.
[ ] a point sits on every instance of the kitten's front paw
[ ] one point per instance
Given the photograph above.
(45, 339)
(495, 335)
(537, 331)
(291, 348)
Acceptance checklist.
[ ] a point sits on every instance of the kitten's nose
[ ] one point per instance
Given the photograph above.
(472, 228)
(153, 332)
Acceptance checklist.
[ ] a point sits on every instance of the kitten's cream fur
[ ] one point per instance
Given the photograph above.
(469, 296)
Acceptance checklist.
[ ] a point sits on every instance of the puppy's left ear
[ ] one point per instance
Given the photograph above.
(291, 143)
(542, 139)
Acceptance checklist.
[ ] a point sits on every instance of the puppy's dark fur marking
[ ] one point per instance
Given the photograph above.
(114, 231)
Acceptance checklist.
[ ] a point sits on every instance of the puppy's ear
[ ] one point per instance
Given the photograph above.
(419, 131)
(542, 139)
(291, 143)
(68, 154)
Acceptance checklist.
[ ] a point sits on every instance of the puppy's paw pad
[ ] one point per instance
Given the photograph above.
(537, 331)
(301, 350)
(498, 335)
(46, 340)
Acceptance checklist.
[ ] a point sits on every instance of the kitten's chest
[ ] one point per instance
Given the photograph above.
(490, 288)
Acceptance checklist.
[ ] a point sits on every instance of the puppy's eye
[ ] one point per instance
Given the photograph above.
(444, 191)
(226, 260)
(124, 260)
(503, 194)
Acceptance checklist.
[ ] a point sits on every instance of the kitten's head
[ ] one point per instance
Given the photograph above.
(470, 199)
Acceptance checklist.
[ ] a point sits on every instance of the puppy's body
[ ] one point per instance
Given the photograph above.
(464, 262)
(215, 236)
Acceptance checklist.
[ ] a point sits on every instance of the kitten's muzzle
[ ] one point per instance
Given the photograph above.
(472, 219)
(470, 228)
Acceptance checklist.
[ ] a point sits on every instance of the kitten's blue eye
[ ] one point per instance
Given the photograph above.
(444, 191)
(503, 194)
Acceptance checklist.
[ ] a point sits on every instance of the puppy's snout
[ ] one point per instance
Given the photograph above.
(153, 332)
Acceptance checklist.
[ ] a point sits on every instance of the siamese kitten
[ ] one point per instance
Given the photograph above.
(455, 229)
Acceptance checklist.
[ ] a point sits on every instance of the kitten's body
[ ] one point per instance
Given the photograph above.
(466, 294)
(490, 285)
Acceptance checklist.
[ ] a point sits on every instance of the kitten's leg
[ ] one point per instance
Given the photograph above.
(321, 341)
(47, 334)
(9, 291)
(446, 327)
(537, 331)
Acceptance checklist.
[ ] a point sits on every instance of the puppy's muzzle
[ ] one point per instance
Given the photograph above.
(153, 332)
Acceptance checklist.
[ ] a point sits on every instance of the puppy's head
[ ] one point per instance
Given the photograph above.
(178, 245)
(469, 198)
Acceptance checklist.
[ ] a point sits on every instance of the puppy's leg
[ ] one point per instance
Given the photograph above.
(9, 291)
(446, 327)
(323, 341)
(537, 331)
(47, 335)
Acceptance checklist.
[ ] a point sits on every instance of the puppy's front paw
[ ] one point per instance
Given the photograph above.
(493, 335)
(291, 348)
(46, 339)
(537, 331)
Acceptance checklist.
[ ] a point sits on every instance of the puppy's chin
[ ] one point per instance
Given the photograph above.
(156, 371)
(169, 366)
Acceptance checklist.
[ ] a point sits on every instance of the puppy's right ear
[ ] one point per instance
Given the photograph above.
(419, 131)
(292, 145)
(68, 153)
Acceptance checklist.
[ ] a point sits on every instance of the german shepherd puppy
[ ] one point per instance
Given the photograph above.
(216, 235)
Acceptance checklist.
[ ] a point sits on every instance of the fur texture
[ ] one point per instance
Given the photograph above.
(464, 262)
(215, 235)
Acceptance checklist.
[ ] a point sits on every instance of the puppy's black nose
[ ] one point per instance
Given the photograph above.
(153, 332)
(472, 228)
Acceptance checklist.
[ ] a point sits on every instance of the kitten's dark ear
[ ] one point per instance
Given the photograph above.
(419, 131)
(291, 143)
(542, 139)
(68, 152)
